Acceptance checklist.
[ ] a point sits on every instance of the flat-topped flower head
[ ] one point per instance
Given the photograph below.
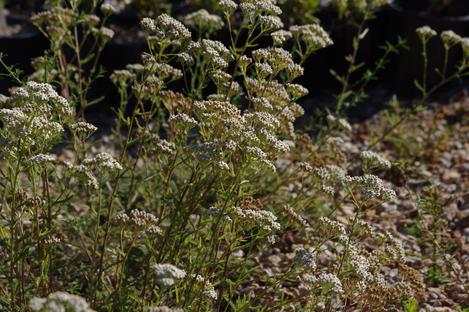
(371, 186)
(167, 274)
(58, 302)
(372, 159)
(108, 8)
(166, 28)
(450, 38)
(425, 33)
(270, 23)
(82, 128)
(227, 6)
(103, 161)
(265, 219)
(281, 36)
(204, 22)
(313, 35)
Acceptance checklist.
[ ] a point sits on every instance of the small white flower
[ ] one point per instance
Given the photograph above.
(227, 6)
(60, 302)
(166, 274)
(103, 160)
(375, 160)
(281, 36)
(42, 159)
(450, 38)
(425, 33)
(108, 8)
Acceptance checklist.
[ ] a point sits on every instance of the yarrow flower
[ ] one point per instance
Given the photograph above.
(425, 33)
(203, 21)
(450, 38)
(82, 128)
(227, 6)
(166, 28)
(372, 159)
(182, 121)
(139, 220)
(43, 159)
(166, 274)
(265, 219)
(269, 22)
(313, 35)
(371, 187)
(330, 281)
(103, 160)
(58, 302)
(108, 8)
(296, 91)
(106, 33)
(279, 37)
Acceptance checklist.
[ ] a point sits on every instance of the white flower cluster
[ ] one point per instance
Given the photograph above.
(122, 76)
(99, 162)
(107, 7)
(313, 35)
(166, 274)
(339, 122)
(375, 160)
(227, 6)
(167, 29)
(281, 36)
(251, 133)
(209, 290)
(41, 98)
(182, 121)
(371, 187)
(331, 177)
(327, 281)
(215, 52)
(425, 33)
(265, 219)
(165, 147)
(202, 21)
(91, 180)
(450, 38)
(42, 159)
(296, 91)
(60, 302)
(278, 59)
(140, 220)
(102, 161)
(36, 117)
(332, 228)
(105, 33)
(335, 142)
(269, 22)
(82, 128)
(225, 85)
(164, 72)
(258, 8)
